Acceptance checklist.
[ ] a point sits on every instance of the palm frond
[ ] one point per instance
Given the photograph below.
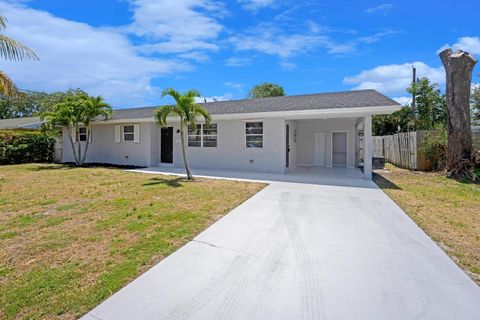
(3, 23)
(173, 93)
(13, 50)
(7, 87)
(192, 93)
(161, 115)
(204, 113)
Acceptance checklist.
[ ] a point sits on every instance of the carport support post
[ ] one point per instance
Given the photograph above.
(367, 152)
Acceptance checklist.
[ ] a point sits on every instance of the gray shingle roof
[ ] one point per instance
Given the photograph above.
(28, 123)
(330, 100)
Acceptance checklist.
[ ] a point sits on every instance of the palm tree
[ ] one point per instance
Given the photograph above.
(78, 109)
(11, 50)
(188, 112)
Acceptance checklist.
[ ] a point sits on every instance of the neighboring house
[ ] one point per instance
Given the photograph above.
(25, 123)
(267, 134)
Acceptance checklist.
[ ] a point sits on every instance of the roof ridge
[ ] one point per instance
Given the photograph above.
(263, 98)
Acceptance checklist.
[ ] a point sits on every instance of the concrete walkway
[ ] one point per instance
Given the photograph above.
(303, 251)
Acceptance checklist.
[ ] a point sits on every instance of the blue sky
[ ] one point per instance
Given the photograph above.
(129, 50)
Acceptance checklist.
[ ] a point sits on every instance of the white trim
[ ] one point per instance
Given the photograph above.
(202, 135)
(324, 148)
(331, 147)
(135, 133)
(290, 115)
(255, 134)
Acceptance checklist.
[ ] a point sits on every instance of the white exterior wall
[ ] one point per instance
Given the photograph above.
(104, 149)
(306, 130)
(231, 152)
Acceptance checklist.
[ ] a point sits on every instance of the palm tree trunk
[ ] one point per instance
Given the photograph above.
(87, 143)
(185, 162)
(72, 144)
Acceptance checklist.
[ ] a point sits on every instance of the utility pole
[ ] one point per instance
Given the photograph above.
(414, 91)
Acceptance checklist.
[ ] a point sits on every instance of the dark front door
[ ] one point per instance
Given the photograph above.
(166, 145)
(287, 141)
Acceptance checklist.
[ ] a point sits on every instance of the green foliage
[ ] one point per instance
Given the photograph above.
(399, 121)
(188, 112)
(431, 105)
(11, 50)
(430, 111)
(29, 103)
(435, 147)
(23, 146)
(185, 108)
(475, 105)
(266, 89)
(76, 109)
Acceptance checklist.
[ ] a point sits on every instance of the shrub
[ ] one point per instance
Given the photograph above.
(435, 147)
(22, 146)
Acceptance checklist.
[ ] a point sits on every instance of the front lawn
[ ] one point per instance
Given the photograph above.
(70, 237)
(446, 209)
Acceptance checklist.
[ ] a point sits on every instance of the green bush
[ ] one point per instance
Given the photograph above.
(435, 147)
(22, 146)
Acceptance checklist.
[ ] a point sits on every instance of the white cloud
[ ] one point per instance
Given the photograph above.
(469, 44)
(195, 55)
(255, 5)
(394, 78)
(238, 61)
(75, 55)
(269, 39)
(403, 100)
(383, 8)
(177, 25)
(234, 85)
(224, 97)
(288, 66)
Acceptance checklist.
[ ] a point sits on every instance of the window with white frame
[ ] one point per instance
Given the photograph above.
(254, 134)
(128, 133)
(209, 135)
(195, 136)
(203, 135)
(82, 134)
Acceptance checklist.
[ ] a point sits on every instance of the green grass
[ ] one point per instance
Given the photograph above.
(446, 209)
(71, 237)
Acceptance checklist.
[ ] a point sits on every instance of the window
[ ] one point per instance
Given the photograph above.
(210, 135)
(203, 135)
(195, 136)
(128, 133)
(82, 134)
(254, 134)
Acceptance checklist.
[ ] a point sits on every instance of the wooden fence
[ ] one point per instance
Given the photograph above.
(405, 149)
(399, 149)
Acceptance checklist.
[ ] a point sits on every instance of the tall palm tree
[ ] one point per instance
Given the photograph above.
(188, 112)
(11, 50)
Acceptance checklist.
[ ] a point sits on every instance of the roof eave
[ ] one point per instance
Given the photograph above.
(292, 114)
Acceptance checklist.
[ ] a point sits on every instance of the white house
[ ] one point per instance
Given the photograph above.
(267, 134)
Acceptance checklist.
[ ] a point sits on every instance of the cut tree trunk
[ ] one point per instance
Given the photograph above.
(458, 66)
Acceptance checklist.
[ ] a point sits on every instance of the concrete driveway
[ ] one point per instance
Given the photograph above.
(304, 251)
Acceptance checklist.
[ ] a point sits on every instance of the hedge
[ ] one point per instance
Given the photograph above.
(22, 146)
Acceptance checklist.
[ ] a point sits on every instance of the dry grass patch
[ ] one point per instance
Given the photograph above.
(71, 237)
(446, 209)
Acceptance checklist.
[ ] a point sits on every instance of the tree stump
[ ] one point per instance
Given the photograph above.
(458, 66)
